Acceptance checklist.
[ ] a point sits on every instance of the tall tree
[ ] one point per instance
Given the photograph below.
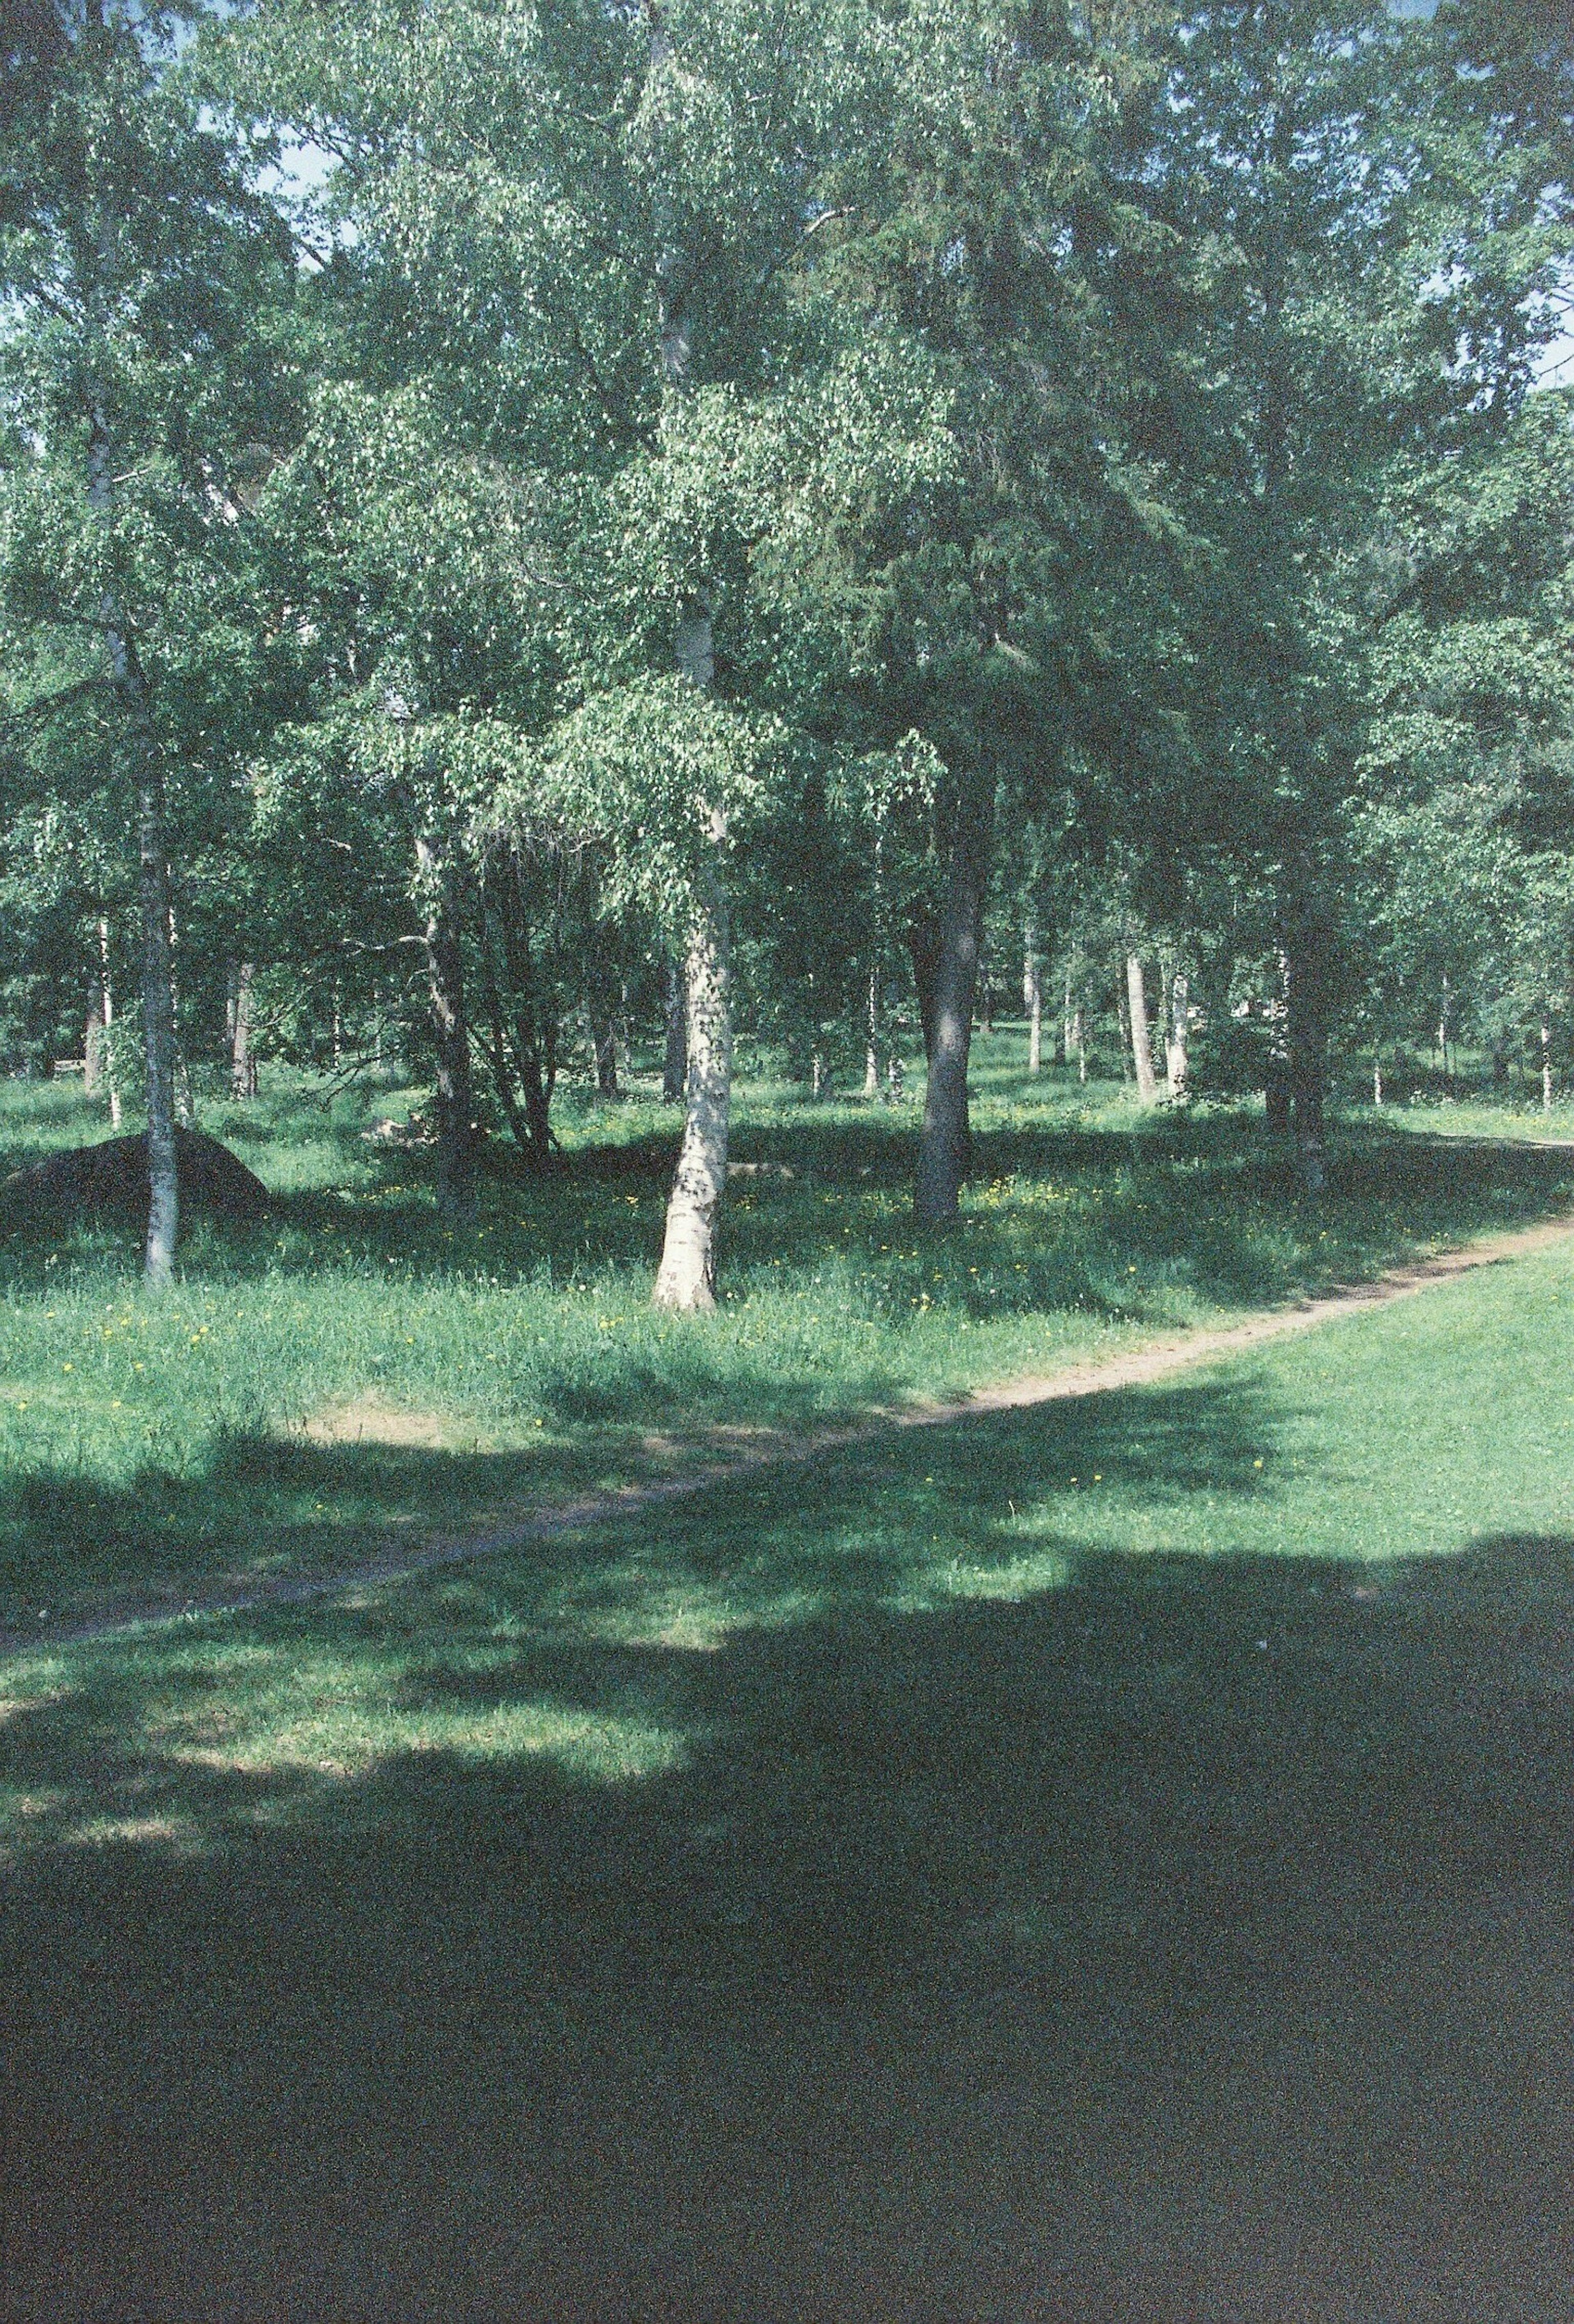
(137, 259)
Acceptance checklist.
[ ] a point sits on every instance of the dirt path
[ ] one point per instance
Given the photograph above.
(1156, 1360)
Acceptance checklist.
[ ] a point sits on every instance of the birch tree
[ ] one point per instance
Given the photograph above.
(138, 261)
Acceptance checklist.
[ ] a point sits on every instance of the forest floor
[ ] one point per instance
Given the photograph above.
(350, 1377)
(1105, 1860)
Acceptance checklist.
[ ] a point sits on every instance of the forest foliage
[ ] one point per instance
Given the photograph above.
(531, 535)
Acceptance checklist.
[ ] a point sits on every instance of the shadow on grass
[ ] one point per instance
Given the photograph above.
(1114, 1221)
(841, 1899)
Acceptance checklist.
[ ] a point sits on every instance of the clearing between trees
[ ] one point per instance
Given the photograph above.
(350, 1377)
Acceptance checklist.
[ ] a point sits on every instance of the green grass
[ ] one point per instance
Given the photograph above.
(165, 1444)
(1106, 1862)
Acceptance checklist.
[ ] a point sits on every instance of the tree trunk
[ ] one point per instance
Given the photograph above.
(1306, 1031)
(185, 1103)
(1177, 1058)
(945, 1143)
(685, 1279)
(675, 1056)
(454, 1098)
(106, 991)
(1078, 1035)
(923, 952)
(131, 689)
(1376, 1076)
(243, 1064)
(1277, 1088)
(1546, 1067)
(603, 1039)
(872, 1041)
(93, 1041)
(534, 1047)
(1032, 995)
(1142, 1039)
(158, 1001)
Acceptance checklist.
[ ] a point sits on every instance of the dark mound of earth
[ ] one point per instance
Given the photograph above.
(113, 1175)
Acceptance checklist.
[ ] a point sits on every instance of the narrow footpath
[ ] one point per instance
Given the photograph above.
(1136, 1368)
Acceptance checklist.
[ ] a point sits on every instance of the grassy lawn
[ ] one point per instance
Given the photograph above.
(1106, 1863)
(280, 1407)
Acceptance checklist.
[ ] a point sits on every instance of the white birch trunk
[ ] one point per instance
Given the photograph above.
(243, 1065)
(1032, 993)
(1142, 1039)
(131, 689)
(1177, 1059)
(107, 990)
(872, 1043)
(685, 1279)
(1546, 1068)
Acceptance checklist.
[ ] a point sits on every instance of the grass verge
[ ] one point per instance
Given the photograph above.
(1109, 1861)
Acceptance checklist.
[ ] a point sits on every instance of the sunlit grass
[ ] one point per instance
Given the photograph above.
(1375, 1441)
(271, 1409)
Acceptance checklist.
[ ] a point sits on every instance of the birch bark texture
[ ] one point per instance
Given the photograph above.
(1177, 1043)
(130, 685)
(1032, 993)
(453, 1094)
(685, 1276)
(1142, 1039)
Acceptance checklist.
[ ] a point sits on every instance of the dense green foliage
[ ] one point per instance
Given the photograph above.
(1091, 464)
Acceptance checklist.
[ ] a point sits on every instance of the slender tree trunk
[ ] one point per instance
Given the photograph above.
(534, 1046)
(872, 1041)
(185, 1103)
(603, 1041)
(93, 1041)
(502, 1065)
(923, 952)
(1177, 1057)
(1306, 1028)
(945, 1144)
(1142, 1039)
(454, 1106)
(107, 990)
(1032, 995)
(159, 1025)
(687, 1277)
(1078, 1035)
(1376, 1076)
(131, 689)
(1276, 1091)
(243, 1064)
(675, 1057)
(1546, 1067)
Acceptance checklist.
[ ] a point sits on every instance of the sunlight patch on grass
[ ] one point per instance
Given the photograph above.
(282, 1713)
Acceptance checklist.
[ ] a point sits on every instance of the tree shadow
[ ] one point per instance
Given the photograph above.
(824, 1900)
